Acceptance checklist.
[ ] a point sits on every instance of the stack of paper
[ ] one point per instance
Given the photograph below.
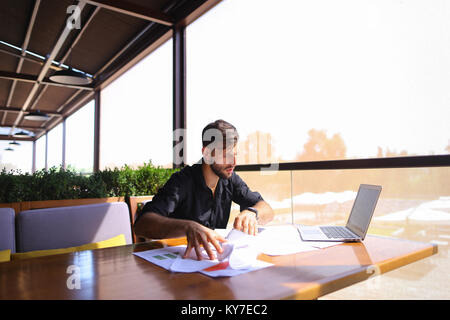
(239, 253)
(238, 256)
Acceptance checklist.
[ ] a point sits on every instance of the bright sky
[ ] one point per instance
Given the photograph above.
(136, 118)
(20, 157)
(377, 72)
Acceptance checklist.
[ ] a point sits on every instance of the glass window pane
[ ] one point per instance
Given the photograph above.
(80, 139)
(275, 188)
(136, 114)
(40, 153)
(322, 79)
(414, 205)
(407, 195)
(55, 146)
(20, 158)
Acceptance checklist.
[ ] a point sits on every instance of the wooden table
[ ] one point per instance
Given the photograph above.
(115, 273)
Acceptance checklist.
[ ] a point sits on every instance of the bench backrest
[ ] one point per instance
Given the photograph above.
(7, 229)
(64, 227)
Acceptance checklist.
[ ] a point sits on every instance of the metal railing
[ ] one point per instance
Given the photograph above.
(370, 163)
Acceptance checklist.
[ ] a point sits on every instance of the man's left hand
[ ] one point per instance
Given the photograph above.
(246, 222)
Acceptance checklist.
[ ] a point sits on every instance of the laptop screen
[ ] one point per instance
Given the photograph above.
(363, 209)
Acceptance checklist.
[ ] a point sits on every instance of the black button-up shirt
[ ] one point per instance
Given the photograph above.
(186, 196)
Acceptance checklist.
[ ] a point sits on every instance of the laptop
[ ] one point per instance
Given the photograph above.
(357, 224)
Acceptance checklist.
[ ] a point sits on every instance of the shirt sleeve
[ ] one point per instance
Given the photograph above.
(242, 195)
(166, 199)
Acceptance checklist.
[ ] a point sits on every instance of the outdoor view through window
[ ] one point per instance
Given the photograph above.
(332, 80)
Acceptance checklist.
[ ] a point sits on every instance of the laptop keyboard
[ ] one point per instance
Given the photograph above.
(337, 232)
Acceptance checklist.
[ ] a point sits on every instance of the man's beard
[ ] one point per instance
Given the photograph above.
(219, 173)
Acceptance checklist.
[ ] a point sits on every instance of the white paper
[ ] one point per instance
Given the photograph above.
(222, 232)
(245, 249)
(161, 257)
(192, 264)
(281, 240)
(239, 253)
(276, 240)
(232, 262)
(242, 257)
(239, 237)
(227, 248)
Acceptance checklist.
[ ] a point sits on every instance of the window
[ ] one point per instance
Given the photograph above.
(54, 157)
(80, 139)
(40, 153)
(414, 205)
(136, 114)
(322, 80)
(19, 158)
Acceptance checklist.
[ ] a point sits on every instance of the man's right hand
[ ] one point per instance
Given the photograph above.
(198, 235)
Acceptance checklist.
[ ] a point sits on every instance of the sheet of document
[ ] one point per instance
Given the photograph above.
(277, 240)
(236, 262)
(281, 240)
(239, 253)
(161, 257)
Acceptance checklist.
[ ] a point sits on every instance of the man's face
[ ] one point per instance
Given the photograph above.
(223, 163)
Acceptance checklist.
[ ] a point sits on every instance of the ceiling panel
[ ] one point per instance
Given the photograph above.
(14, 20)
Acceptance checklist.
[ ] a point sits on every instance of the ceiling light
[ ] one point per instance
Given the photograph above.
(14, 143)
(21, 134)
(36, 116)
(70, 77)
(9, 149)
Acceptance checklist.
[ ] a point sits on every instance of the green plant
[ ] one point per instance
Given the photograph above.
(146, 179)
(58, 184)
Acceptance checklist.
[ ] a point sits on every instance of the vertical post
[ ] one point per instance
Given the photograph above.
(63, 164)
(292, 201)
(33, 162)
(179, 96)
(97, 130)
(46, 151)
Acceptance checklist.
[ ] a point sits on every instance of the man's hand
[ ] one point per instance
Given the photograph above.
(246, 222)
(198, 235)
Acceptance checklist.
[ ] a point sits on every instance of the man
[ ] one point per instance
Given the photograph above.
(198, 198)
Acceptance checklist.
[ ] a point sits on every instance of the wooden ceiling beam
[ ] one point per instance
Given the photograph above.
(11, 138)
(134, 10)
(12, 109)
(56, 49)
(34, 79)
(29, 58)
(31, 128)
(23, 54)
